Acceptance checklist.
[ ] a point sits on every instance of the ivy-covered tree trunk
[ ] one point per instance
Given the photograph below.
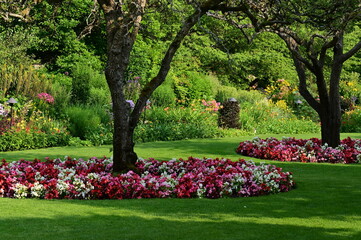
(123, 23)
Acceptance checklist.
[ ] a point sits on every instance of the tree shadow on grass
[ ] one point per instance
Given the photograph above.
(157, 227)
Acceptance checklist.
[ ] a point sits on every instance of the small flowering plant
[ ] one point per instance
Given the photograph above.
(302, 150)
(3, 111)
(211, 106)
(46, 97)
(92, 179)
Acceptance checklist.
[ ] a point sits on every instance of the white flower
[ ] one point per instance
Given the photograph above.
(20, 191)
(38, 190)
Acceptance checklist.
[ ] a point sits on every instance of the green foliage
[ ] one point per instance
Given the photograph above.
(226, 92)
(81, 84)
(351, 121)
(61, 91)
(58, 26)
(77, 142)
(31, 138)
(267, 117)
(82, 120)
(163, 96)
(89, 86)
(14, 43)
(350, 89)
(99, 96)
(100, 135)
(22, 80)
(177, 123)
(193, 85)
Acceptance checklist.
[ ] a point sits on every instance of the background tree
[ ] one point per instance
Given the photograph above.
(314, 33)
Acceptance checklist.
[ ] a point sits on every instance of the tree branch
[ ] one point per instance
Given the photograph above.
(167, 59)
(351, 52)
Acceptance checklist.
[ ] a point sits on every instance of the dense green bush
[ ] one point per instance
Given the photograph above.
(99, 96)
(193, 85)
(81, 120)
(177, 123)
(226, 92)
(163, 96)
(88, 85)
(23, 139)
(268, 117)
(351, 121)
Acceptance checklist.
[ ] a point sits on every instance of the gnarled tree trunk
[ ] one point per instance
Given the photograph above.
(123, 22)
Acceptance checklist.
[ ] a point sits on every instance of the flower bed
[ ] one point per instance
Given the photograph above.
(302, 150)
(92, 179)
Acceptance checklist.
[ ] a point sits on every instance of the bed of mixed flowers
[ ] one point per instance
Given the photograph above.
(92, 179)
(302, 150)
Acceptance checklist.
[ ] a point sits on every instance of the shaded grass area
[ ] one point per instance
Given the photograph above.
(325, 205)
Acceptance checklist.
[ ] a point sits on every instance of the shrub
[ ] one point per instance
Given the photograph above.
(164, 124)
(82, 119)
(99, 96)
(268, 117)
(61, 90)
(81, 75)
(22, 80)
(226, 92)
(164, 96)
(32, 139)
(351, 120)
(194, 85)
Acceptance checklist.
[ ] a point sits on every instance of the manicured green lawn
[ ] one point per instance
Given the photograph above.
(325, 205)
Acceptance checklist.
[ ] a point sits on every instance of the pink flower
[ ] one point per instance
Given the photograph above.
(46, 97)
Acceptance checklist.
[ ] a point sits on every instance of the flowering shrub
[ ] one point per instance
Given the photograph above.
(302, 150)
(92, 179)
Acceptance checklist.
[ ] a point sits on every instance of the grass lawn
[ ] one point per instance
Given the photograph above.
(325, 205)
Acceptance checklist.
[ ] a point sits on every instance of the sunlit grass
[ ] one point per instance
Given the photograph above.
(325, 205)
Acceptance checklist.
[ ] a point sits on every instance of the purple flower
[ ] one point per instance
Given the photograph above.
(3, 111)
(131, 103)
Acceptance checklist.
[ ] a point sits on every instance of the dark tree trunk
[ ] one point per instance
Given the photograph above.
(328, 106)
(122, 29)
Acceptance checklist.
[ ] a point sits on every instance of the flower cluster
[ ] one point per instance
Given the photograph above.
(92, 179)
(3, 111)
(46, 97)
(302, 150)
(211, 105)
